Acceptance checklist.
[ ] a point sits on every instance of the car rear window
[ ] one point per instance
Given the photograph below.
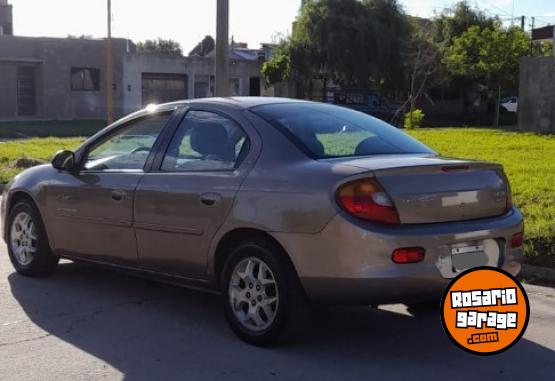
(327, 131)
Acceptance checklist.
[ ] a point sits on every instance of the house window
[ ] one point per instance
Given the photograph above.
(234, 89)
(85, 79)
(26, 92)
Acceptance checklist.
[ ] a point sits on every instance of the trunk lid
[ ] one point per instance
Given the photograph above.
(428, 189)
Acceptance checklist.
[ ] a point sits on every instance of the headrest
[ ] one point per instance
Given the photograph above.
(209, 138)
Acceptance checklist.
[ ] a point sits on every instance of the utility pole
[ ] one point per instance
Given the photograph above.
(522, 22)
(222, 48)
(109, 70)
(532, 27)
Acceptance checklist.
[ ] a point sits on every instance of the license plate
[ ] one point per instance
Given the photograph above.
(467, 257)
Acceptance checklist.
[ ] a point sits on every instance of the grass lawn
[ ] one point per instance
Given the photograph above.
(529, 161)
(37, 148)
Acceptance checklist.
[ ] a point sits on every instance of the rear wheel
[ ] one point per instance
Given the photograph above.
(263, 299)
(28, 246)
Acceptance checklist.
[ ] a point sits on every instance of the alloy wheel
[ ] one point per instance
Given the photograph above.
(23, 238)
(253, 294)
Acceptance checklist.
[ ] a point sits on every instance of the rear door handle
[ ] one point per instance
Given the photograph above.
(119, 195)
(210, 199)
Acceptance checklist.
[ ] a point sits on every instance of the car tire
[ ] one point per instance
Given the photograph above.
(28, 246)
(247, 294)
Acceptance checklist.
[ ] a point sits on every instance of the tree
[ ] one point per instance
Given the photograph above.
(160, 46)
(278, 68)
(542, 49)
(392, 33)
(356, 44)
(207, 45)
(455, 21)
(446, 27)
(490, 56)
(423, 64)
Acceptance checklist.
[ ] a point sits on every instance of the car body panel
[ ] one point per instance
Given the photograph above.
(84, 218)
(510, 104)
(350, 261)
(174, 227)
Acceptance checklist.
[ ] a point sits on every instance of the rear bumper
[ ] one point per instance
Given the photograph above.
(349, 262)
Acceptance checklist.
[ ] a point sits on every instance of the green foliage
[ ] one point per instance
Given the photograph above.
(490, 55)
(448, 26)
(278, 67)
(543, 49)
(160, 46)
(354, 43)
(455, 21)
(414, 119)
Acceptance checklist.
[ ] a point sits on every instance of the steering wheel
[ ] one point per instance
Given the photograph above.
(140, 149)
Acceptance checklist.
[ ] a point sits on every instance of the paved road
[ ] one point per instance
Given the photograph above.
(88, 323)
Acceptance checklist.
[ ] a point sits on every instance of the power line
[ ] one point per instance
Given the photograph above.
(490, 5)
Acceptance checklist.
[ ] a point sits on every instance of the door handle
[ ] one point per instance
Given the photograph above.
(119, 195)
(210, 199)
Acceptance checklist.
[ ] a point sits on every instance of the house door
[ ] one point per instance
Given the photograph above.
(254, 86)
(162, 88)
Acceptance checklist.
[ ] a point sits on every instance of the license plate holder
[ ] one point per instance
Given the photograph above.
(467, 257)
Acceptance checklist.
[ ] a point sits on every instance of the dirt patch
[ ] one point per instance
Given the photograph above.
(25, 162)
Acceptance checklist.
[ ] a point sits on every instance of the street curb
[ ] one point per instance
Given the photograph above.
(536, 273)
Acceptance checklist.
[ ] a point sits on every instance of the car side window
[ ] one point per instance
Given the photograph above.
(128, 148)
(205, 141)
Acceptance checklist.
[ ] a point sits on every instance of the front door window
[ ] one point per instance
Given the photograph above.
(127, 149)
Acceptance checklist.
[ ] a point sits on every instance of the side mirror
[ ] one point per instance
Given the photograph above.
(64, 160)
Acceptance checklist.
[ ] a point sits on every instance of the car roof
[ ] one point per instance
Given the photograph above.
(238, 102)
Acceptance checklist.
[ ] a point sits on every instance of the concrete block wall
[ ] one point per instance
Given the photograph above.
(53, 59)
(536, 103)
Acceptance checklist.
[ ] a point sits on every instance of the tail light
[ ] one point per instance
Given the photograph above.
(408, 255)
(366, 199)
(517, 240)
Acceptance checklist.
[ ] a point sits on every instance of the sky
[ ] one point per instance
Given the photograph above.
(188, 21)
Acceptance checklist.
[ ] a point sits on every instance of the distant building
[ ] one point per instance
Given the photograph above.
(58, 78)
(64, 78)
(6, 18)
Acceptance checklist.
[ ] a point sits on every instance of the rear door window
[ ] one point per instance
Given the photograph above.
(205, 141)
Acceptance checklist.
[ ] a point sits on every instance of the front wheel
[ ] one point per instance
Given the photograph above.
(263, 299)
(28, 246)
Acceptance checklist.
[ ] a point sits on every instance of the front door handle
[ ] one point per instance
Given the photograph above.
(210, 199)
(119, 195)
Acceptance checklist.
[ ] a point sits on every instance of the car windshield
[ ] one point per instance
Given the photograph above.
(328, 131)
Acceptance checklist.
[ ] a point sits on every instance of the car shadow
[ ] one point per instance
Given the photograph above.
(151, 331)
